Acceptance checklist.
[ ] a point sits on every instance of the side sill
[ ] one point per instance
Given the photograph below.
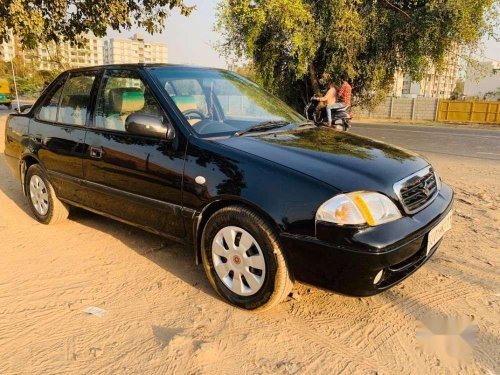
(147, 229)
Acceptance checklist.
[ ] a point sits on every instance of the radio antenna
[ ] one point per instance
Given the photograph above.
(15, 84)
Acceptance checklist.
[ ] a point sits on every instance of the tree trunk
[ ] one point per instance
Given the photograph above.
(314, 80)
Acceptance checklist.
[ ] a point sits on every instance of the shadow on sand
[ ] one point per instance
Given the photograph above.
(176, 259)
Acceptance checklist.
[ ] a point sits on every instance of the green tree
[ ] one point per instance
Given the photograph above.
(41, 21)
(295, 45)
(30, 80)
(458, 91)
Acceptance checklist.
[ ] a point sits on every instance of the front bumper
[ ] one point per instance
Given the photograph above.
(346, 260)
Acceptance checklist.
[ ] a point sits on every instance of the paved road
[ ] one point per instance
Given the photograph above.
(4, 111)
(470, 143)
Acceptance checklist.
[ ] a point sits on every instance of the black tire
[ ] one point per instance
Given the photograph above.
(346, 125)
(57, 211)
(9, 106)
(277, 282)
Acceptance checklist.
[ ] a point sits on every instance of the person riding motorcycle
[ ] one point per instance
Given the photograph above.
(331, 101)
(345, 92)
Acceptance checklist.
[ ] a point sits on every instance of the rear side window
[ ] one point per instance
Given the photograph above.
(75, 99)
(48, 111)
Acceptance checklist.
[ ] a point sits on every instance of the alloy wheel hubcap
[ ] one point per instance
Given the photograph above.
(238, 260)
(39, 195)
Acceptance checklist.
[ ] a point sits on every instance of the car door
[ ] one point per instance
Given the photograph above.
(134, 178)
(57, 131)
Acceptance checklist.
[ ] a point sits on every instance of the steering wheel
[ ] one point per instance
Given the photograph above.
(190, 112)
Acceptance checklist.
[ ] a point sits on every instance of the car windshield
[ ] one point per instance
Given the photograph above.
(216, 102)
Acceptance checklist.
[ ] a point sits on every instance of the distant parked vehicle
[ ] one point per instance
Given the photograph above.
(5, 94)
(260, 195)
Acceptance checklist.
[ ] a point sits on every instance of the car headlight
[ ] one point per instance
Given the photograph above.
(360, 207)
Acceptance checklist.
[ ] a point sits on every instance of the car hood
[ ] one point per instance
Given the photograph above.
(343, 160)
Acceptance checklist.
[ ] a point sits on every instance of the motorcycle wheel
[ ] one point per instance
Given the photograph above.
(345, 125)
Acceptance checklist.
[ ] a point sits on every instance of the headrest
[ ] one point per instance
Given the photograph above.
(185, 102)
(126, 99)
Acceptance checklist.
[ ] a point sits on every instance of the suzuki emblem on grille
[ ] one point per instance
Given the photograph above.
(426, 190)
(420, 188)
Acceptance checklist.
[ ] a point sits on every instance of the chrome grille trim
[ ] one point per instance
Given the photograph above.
(411, 183)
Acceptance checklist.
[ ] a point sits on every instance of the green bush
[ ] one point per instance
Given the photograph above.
(30, 82)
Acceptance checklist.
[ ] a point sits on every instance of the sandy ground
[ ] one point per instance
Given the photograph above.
(163, 316)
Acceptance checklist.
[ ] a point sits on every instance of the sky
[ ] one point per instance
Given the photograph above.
(191, 39)
(491, 50)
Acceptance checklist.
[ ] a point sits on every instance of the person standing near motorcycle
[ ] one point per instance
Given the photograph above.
(331, 101)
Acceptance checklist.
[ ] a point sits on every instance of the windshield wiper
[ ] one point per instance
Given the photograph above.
(265, 125)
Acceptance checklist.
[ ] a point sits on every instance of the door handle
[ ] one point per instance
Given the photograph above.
(96, 152)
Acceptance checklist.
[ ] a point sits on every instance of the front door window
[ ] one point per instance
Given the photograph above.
(121, 94)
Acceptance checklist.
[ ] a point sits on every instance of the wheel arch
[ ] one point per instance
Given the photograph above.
(210, 209)
(27, 161)
(30, 159)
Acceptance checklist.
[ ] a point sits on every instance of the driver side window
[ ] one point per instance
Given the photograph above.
(122, 93)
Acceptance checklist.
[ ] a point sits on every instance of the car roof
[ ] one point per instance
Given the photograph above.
(140, 66)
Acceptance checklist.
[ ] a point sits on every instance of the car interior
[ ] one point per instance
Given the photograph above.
(73, 110)
(121, 102)
(121, 97)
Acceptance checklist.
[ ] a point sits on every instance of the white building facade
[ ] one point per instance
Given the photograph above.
(56, 56)
(434, 84)
(134, 50)
(8, 50)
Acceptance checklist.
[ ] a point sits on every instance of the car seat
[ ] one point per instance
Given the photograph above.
(123, 102)
(73, 110)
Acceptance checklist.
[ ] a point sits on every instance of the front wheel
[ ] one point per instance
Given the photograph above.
(44, 204)
(243, 259)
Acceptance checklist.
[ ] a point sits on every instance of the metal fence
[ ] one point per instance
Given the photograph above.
(468, 111)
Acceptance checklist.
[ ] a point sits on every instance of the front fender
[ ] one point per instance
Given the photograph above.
(286, 198)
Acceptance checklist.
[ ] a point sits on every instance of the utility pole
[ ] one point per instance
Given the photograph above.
(15, 83)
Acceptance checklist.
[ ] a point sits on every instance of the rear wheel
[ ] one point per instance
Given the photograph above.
(243, 259)
(345, 124)
(9, 106)
(44, 204)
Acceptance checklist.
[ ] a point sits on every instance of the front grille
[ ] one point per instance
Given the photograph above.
(418, 190)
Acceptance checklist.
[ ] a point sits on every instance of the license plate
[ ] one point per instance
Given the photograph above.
(2, 97)
(438, 231)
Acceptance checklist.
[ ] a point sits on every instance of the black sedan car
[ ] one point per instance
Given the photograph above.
(261, 196)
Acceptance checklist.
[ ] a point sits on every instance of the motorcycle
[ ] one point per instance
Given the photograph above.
(341, 118)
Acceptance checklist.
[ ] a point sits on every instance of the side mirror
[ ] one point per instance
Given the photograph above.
(149, 125)
(24, 108)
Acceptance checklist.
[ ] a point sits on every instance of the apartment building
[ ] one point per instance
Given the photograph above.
(134, 50)
(434, 84)
(483, 80)
(56, 56)
(8, 50)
